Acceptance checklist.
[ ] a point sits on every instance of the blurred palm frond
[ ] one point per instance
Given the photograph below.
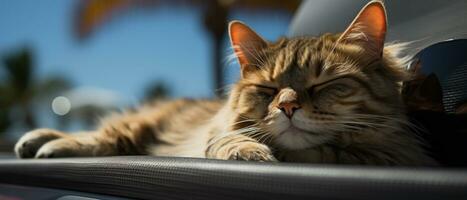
(19, 89)
(92, 14)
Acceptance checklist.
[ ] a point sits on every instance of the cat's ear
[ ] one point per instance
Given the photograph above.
(246, 44)
(368, 28)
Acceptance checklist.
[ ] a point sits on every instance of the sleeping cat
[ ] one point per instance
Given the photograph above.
(328, 99)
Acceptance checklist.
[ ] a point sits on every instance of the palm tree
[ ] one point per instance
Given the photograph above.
(19, 90)
(157, 90)
(93, 13)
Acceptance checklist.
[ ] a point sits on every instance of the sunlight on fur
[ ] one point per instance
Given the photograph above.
(333, 98)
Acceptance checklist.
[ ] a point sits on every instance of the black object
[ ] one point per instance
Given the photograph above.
(446, 131)
(145, 177)
(446, 135)
(448, 61)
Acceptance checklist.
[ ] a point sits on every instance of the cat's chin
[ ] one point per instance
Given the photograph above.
(294, 138)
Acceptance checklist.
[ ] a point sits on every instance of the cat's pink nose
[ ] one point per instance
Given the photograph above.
(288, 108)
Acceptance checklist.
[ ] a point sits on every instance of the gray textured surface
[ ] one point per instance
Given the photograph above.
(184, 178)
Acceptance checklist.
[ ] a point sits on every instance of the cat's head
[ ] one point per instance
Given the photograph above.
(301, 92)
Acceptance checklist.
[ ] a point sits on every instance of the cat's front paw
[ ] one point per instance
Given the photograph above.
(64, 147)
(31, 142)
(252, 152)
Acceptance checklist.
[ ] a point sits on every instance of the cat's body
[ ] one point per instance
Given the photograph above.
(328, 99)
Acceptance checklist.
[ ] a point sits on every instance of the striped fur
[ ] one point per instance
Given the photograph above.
(364, 125)
(346, 97)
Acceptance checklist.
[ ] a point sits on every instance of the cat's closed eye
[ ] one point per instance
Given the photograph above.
(340, 89)
(266, 90)
(311, 91)
(331, 89)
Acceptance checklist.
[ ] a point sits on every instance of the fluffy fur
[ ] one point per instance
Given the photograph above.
(328, 99)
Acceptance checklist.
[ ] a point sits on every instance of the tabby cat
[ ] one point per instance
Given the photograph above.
(328, 99)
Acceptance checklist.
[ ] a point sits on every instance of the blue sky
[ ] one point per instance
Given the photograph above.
(127, 54)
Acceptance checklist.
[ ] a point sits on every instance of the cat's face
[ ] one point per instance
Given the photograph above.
(303, 92)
